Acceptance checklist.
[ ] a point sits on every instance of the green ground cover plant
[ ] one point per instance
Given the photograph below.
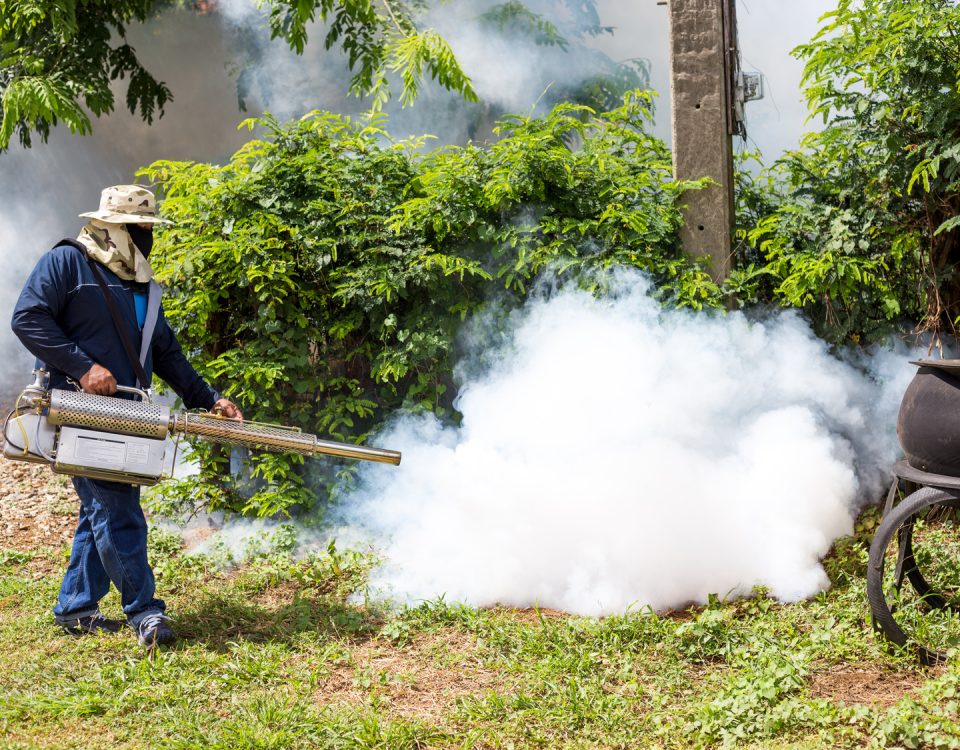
(283, 651)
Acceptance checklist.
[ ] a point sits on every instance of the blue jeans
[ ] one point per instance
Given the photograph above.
(110, 544)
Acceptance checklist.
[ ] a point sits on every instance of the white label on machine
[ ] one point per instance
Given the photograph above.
(109, 457)
(100, 450)
(138, 454)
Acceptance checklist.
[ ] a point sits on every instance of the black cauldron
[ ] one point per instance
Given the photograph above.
(929, 422)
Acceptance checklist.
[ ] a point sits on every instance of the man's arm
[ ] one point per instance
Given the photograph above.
(36, 312)
(170, 364)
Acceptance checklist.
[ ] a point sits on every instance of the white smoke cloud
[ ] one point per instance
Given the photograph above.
(241, 12)
(504, 70)
(15, 366)
(509, 70)
(618, 455)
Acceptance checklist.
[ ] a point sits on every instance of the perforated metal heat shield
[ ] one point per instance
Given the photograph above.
(117, 415)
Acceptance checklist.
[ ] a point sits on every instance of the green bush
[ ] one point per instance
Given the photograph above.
(862, 229)
(321, 276)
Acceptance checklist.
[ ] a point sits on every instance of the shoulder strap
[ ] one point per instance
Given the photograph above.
(150, 323)
(73, 243)
(154, 296)
(143, 380)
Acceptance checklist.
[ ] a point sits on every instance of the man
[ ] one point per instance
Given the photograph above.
(63, 318)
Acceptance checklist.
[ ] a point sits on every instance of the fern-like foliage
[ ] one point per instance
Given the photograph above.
(33, 100)
(516, 17)
(58, 59)
(412, 55)
(379, 39)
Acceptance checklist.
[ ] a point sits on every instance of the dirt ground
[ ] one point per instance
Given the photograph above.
(38, 510)
(865, 685)
(423, 679)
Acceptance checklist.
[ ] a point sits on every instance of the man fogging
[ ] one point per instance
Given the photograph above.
(84, 305)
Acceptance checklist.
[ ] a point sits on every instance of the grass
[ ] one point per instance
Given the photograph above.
(277, 654)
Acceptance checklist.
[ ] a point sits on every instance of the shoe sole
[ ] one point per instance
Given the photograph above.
(77, 632)
(154, 642)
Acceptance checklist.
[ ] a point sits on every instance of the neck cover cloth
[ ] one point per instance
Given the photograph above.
(112, 246)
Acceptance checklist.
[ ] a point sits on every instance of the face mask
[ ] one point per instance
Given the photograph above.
(142, 238)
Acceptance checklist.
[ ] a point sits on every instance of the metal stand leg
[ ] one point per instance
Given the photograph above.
(888, 506)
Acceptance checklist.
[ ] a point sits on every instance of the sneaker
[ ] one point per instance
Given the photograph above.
(90, 624)
(153, 631)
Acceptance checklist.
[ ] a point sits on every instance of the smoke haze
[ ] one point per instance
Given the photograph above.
(616, 455)
(44, 188)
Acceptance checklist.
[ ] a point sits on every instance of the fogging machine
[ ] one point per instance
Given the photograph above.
(125, 440)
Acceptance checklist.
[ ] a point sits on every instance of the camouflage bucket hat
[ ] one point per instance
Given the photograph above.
(127, 204)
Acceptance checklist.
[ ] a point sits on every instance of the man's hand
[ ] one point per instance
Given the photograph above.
(228, 409)
(99, 380)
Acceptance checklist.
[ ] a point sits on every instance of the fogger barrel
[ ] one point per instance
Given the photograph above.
(274, 437)
(146, 419)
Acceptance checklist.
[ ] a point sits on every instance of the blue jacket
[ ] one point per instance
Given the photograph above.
(62, 318)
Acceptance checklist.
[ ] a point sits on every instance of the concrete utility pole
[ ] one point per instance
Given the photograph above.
(703, 80)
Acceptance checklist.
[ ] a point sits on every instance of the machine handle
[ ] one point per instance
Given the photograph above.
(144, 395)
